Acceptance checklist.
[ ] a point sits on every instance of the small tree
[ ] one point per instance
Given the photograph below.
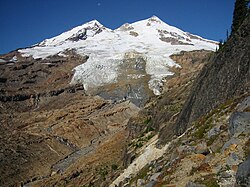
(220, 44)
(240, 13)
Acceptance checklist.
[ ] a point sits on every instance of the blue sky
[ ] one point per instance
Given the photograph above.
(27, 22)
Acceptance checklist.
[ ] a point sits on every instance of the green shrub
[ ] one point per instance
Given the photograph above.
(148, 121)
(114, 167)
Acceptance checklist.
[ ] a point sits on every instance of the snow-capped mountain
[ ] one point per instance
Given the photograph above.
(83, 32)
(151, 39)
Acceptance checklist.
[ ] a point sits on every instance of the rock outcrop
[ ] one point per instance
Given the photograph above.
(243, 173)
(207, 154)
(239, 123)
(227, 76)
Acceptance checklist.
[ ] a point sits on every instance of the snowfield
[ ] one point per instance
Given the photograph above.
(153, 39)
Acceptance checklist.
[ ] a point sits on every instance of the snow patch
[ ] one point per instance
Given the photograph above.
(14, 59)
(2, 60)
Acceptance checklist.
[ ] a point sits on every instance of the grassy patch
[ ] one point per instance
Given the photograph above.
(103, 172)
(209, 181)
(175, 107)
(148, 121)
(138, 145)
(149, 136)
(203, 128)
(205, 123)
(142, 140)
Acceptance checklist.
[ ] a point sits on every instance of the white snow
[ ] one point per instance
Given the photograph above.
(2, 60)
(14, 59)
(107, 49)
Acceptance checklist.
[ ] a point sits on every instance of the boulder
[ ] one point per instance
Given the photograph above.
(233, 159)
(202, 148)
(243, 173)
(140, 182)
(213, 132)
(230, 145)
(239, 122)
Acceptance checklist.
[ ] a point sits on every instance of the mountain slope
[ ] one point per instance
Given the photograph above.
(214, 127)
(150, 39)
(228, 76)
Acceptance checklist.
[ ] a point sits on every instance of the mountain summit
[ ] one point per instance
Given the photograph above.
(82, 32)
(151, 40)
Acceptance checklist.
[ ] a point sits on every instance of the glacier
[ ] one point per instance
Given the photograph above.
(151, 39)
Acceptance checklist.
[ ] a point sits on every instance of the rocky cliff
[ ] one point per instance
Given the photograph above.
(227, 76)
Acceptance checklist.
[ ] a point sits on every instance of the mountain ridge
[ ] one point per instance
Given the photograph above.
(151, 39)
(96, 22)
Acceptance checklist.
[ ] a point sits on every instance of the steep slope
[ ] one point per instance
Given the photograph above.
(225, 78)
(209, 153)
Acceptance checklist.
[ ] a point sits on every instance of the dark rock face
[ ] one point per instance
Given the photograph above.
(243, 173)
(82, 35)
(227, 76)
(3, 80)
(177, 89)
